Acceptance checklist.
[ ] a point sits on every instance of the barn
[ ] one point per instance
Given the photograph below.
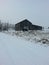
(26, 25)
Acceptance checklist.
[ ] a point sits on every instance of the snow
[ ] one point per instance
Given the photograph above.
(37, 36)
(15, 50)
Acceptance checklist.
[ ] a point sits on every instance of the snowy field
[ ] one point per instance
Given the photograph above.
(41, 37)
(24, 48)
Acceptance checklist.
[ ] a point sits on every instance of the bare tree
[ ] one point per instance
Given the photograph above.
(0, 26)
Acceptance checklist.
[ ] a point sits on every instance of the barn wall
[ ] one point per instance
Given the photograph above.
(35, 27)
(30, 27)
(17, 27)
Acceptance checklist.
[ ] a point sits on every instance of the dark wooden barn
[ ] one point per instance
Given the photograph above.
(26, 25)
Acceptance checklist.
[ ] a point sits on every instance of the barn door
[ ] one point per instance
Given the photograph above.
(25, 28)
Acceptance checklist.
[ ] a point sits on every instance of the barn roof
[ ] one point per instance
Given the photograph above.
(26, 20)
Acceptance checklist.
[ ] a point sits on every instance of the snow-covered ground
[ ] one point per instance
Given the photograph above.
(14, 50)
(36, 36)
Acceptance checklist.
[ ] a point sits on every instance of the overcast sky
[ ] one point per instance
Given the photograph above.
(37, 11)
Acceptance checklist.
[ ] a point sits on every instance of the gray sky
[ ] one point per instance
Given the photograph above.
(37, 11)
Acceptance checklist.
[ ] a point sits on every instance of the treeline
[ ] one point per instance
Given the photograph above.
(6, 26)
